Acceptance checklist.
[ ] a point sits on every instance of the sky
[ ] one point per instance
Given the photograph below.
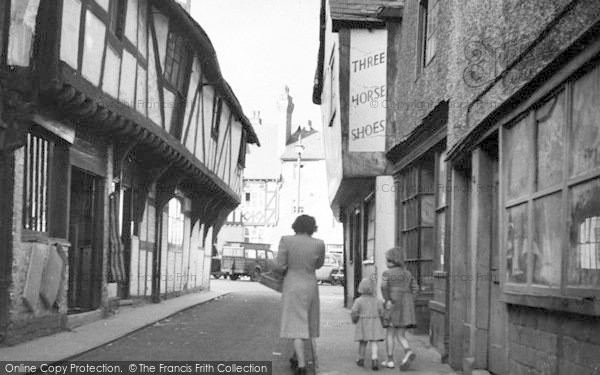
(263, 45)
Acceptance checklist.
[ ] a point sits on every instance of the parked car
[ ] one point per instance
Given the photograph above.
(331, 267)
(245, 259)
(338, 277)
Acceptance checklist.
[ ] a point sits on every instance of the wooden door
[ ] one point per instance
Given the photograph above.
(85, 254)
(497, 309)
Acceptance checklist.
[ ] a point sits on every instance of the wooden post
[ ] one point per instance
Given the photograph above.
(459, 293)
(7, 163)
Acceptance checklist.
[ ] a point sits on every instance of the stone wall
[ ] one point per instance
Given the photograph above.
(544, 342)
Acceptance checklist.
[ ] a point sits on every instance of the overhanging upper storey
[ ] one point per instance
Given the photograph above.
(142, 72)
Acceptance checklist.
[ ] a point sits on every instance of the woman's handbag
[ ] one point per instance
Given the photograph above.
(272, 280)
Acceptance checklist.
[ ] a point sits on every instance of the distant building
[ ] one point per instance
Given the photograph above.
(304, 189)
(270, 198)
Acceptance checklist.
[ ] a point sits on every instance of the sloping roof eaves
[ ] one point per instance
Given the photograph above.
(358, 13)
(208, 54)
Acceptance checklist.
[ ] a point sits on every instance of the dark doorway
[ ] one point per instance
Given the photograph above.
(85, 235)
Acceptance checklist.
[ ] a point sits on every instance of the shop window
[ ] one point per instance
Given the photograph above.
(552, 181)
(416, 215)
(175, 225)
(36, 183)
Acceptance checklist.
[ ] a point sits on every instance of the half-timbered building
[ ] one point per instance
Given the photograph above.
(122, 153)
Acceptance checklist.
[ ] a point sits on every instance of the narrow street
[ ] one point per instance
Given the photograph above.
(243, 325)
(240, 326)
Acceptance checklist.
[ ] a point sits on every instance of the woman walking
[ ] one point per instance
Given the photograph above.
(298, 257)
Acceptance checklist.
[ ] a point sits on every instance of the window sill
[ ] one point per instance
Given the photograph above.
(577, 305)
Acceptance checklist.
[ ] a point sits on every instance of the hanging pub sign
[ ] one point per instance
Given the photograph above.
(368, 58)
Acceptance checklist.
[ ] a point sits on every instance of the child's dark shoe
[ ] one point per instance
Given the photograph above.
(360, 362)
(300, 371)
(375, 365)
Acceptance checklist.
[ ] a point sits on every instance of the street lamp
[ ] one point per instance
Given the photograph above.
(299, 147)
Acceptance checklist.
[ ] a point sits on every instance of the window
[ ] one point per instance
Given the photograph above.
(440, 210)
(217, 108)
(369, 229)
(270, 255)
(250, 254)
(551, 171)
(118, 10)
(242, 151)
(36, 183)
(175, 225)
(416, 217)
(260, 254)
(427, 32)
(175, 61)
(332, 86)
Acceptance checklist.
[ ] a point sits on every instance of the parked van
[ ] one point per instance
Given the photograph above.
(331, 271)
(245, 259)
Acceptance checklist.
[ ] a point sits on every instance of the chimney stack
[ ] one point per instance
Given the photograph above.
(285, 105)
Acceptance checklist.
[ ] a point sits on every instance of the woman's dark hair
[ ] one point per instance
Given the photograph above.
(305, 224)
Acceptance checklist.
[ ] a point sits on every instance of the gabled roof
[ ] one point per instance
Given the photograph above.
(358, 13)
(312, 140)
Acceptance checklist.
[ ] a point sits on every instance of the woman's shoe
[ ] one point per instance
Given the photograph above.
(300, 371)
(293, 363)
(360, 362)
(408, 358)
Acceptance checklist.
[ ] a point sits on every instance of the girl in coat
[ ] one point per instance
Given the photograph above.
(366, 315)
(398, 288)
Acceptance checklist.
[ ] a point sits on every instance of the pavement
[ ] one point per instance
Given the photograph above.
(68, 344)
(236, 320)
(337, 351)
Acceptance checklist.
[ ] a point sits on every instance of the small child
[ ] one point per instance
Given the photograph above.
(398, 288)
(366, 314)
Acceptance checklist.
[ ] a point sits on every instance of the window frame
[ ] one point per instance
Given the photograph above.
(241, 162)
(175, 246)
(425, 34)
(35, 195)
(564, 296)
(216, 118)
(405, 197)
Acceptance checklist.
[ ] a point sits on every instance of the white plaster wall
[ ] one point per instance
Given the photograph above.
(385, 222)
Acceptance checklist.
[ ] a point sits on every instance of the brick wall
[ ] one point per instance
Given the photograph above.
(544, 342)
